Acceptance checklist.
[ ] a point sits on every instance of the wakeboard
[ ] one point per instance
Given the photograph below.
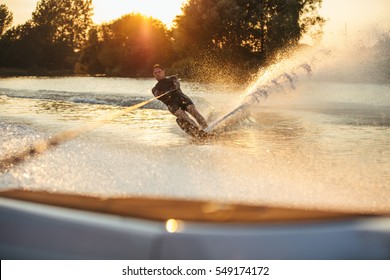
(192, 130)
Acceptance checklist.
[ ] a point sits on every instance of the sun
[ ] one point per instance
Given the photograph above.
(165, 11)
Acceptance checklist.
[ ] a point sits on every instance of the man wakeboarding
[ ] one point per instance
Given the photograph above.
(177, 102)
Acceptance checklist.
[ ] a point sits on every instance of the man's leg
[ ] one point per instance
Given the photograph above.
(182, 115)
(199, 118)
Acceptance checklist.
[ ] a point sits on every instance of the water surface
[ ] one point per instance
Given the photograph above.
(319, 146)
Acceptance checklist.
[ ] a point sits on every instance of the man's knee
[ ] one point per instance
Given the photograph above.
(191, 109)
(179, 113)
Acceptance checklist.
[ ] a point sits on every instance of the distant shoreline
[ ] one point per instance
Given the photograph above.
(369, 77)
(16, 72)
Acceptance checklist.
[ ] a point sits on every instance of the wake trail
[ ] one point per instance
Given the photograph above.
(42, 146)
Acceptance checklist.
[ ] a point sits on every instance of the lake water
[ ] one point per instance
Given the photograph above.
(314, 145)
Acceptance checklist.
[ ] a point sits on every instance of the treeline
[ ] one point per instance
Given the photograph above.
(212, 38)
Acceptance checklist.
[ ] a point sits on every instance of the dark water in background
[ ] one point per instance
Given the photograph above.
(315, 144)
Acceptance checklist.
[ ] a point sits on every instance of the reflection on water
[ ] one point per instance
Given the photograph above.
(144, 126)
(66, 111)
(323, 155)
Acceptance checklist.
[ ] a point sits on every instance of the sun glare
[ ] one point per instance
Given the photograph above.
(354, 19)
(165, 11)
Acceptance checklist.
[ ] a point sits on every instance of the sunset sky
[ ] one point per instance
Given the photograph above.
(353, 16)
(106, 10)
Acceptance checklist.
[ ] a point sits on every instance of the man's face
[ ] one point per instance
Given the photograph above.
(159, 73)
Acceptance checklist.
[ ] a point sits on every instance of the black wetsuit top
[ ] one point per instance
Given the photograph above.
(174, 100)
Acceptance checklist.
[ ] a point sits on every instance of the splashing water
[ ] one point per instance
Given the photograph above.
(279, 78)
(313, 143)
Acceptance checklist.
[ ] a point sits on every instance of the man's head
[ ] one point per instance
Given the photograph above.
(158, 72)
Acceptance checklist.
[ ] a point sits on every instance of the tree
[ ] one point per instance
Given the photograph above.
(128, 46)
(89, 56)
(310, 21)
(62, 28)
(207, 25)
(51, 39)
(19, 48)
(243, 32)
(208, 37)
(6, 18)
(63, 21)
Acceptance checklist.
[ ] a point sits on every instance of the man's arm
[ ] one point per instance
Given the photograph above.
(176, 81)
(155, 92)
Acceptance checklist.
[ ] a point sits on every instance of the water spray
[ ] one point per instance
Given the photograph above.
(271, 81)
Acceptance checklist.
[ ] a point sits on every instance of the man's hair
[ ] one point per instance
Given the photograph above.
(157, 66)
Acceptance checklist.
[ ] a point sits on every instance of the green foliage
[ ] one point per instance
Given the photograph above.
(89, 55)
(51, 39)
(242, 33)
(6, 18)
(129, 46)
(209, 39)
(63, 21)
